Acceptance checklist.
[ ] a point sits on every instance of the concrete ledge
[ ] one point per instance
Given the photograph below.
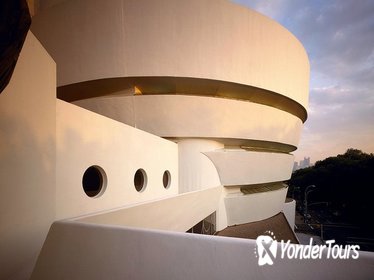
(177, 213)
(85, 251)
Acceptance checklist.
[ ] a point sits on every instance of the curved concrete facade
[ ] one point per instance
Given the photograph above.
(253, 207)
(203, 117)
(216, 40)
(248, 168)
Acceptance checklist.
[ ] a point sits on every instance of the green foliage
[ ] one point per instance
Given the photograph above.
(345, 181)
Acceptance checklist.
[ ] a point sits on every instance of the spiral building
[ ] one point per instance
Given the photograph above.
(169, 115)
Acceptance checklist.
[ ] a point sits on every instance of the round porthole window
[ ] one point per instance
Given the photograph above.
(94, 181)
(140, 180)
(166, 179)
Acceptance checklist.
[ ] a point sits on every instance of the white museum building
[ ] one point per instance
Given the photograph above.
(130, 126)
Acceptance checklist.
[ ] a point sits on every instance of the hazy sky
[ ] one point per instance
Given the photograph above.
(338, 36)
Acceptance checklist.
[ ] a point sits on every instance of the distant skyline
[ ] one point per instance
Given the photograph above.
(339, 39)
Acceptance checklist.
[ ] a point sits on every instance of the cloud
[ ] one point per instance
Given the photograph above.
(339, 39)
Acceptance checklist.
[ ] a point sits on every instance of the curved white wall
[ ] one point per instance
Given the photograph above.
(241, 209)
(216, 40)
(194, 116)
(240, 167)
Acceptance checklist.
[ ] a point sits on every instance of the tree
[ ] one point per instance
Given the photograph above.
(346, 181)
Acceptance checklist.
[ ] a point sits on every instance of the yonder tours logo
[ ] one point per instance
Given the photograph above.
(267, 247)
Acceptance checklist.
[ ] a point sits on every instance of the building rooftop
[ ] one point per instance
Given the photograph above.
(276, 224)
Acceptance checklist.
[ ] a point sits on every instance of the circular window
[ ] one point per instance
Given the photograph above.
(94, 181)
(140, 180)
(166, 179)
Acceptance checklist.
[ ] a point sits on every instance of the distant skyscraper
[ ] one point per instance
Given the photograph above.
(304, 163)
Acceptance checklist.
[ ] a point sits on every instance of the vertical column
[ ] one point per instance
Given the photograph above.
(196, 171)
